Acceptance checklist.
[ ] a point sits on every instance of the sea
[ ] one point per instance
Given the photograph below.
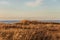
(9, 21)
(15, 21)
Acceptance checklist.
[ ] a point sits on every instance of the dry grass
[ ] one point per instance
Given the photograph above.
(30, 30)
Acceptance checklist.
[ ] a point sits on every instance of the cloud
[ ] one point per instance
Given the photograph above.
(34, 4)
(4, 2)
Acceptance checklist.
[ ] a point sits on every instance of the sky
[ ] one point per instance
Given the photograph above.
(30, 9)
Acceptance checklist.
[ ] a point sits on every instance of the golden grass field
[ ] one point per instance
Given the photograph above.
(30, 30)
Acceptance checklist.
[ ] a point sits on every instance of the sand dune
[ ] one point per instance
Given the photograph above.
(30, 30)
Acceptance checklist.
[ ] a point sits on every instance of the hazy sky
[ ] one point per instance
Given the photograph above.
(43, 9)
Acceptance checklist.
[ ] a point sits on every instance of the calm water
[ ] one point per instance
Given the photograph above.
(12, 21)
(9, 21)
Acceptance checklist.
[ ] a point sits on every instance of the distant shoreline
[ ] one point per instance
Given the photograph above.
(11, 21)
